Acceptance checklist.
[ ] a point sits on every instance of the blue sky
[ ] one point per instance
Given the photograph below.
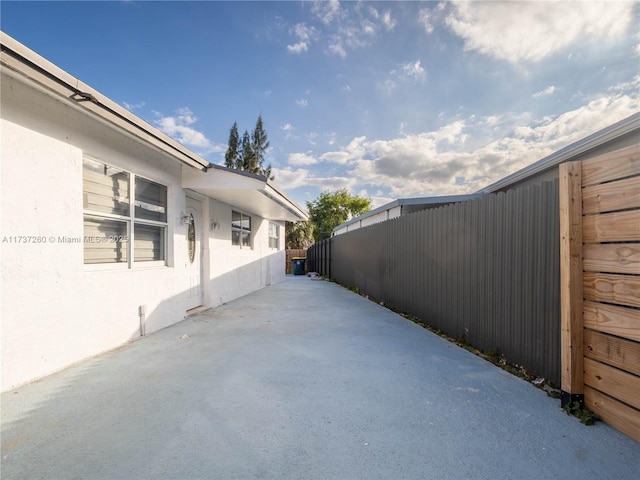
(388, 99)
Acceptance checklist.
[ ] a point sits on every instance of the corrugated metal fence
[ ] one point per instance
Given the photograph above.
(486, 271)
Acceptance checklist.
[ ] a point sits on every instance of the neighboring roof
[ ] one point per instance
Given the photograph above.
(245, 191)
(595, 140)
(252, 193)
(426, 202)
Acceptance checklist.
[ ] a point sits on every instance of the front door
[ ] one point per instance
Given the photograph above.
(193, 262)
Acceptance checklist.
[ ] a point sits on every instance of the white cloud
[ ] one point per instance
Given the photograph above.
(311, 137)
(388, 22)
(336, 157)
(302, 102)
(425, 20)
(179, 127)
(387, 85)
(543, 93)
(326, 12)
(456, 158)
(299, 47)
(337, 49)
(288, 129)
(303, 32)
(346, 27)
(289, 178)
(414, 70)
(305, 36)
(411, 71)
(531, 31)
(301, 159)
(133, 106)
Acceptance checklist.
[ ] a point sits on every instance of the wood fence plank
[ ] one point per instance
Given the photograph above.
(612, 288)
(616, 320)
(620, 385)
(612, 258)
(607, 197)
(614, 351)
(290, 253)
(620, 163)
(612, 227)
(618, 415)
(570, 203)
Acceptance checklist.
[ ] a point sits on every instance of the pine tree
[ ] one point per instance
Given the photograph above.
(248, 153)
(260, 144)
(249, 161)
(232, 154)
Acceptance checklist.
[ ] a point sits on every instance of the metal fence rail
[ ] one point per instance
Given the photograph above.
(485, 270)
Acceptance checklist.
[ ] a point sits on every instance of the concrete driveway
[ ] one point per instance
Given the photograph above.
(301, 380)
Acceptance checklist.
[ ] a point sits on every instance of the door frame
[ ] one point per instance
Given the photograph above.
(200, 238)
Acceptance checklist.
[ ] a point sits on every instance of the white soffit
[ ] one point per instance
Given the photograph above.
(247, 192)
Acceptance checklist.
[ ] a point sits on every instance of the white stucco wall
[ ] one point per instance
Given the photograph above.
(236, 271)
(55, 310)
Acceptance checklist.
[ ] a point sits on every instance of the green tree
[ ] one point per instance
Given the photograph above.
(259, 146)
(298, 235)
(232, 155)
(248, 153)
(331, 209)
(248, 160)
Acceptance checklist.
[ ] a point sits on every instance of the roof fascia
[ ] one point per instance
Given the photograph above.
(567, 153)
(222, 179)
(24, 62)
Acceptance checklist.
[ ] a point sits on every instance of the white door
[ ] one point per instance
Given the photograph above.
(193, 262)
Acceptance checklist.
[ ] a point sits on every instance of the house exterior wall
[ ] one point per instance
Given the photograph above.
(56, 310)
(236, 271)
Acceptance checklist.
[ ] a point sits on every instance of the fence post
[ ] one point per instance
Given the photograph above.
(571, 296)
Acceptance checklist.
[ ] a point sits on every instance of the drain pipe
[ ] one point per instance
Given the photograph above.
(142, 313)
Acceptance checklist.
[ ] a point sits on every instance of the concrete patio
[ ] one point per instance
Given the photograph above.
(301, 380)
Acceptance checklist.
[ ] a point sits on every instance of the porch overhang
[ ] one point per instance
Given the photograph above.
(245, 191)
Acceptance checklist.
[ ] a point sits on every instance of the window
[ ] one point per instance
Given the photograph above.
(240, 229)
(117, 221)
(274, 235)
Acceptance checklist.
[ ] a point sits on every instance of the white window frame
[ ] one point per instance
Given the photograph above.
(274, 238)
(242, 231)
(131, 221)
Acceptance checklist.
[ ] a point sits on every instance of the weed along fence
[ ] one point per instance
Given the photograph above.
(600, 278)
(485, 271)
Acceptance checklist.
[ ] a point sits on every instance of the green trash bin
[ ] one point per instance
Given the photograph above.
(297, 264)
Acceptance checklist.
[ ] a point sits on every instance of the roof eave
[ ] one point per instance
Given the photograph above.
(20, 61)
(567, 153)
(245, 191)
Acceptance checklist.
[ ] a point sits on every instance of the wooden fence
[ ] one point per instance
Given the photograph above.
(600, 286)
(293, 252)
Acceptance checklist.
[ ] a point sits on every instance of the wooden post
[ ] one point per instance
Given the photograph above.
(571, 283)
